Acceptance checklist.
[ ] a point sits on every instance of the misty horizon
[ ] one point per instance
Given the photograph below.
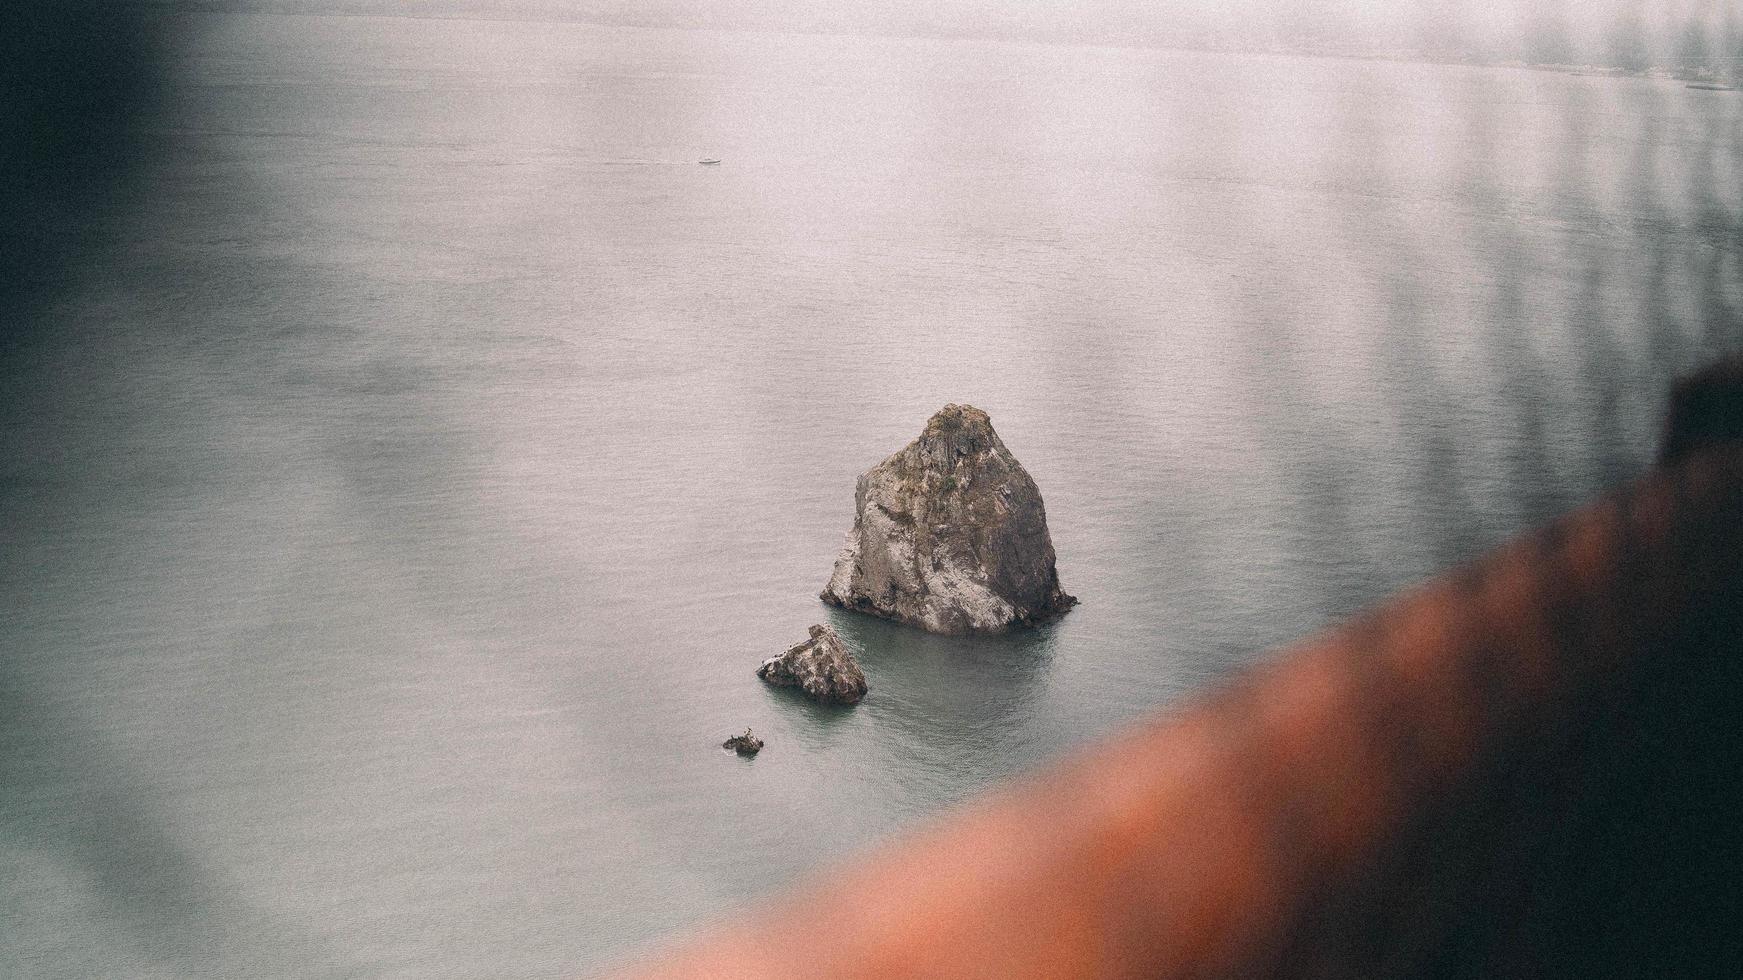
(1701, 35)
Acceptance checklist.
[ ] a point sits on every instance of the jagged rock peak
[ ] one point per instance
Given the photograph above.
(821, 666)
(950, 535)
(955, 433)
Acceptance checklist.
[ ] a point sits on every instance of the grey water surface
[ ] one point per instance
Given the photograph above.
(395, 516)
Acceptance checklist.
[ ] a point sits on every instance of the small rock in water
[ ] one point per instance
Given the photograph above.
(950, 535)
(746, 744)
(821, 666)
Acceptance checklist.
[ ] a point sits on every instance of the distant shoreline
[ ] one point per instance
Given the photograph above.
(362, 9)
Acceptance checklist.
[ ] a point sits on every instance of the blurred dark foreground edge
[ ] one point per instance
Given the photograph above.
(80, 81)
(1525, 768)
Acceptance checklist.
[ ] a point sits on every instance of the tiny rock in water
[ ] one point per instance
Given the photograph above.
(746, 744)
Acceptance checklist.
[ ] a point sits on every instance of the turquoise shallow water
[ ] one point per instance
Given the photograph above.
(395, 518)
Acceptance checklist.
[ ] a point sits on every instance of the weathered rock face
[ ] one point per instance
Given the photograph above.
(950, 535)
(821, 666)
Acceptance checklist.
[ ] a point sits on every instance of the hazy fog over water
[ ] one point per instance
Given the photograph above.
(400, 499)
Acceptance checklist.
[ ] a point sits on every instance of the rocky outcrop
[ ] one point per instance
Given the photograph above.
(821, 666)
(950, 535)
(746, 744)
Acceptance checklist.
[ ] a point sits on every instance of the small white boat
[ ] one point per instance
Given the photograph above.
(709, 162)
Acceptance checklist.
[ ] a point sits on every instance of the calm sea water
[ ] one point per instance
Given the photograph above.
(394, 521)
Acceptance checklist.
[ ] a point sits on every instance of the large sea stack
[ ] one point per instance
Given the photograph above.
(950, 535)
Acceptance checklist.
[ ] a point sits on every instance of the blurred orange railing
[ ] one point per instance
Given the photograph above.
(1520, 769)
